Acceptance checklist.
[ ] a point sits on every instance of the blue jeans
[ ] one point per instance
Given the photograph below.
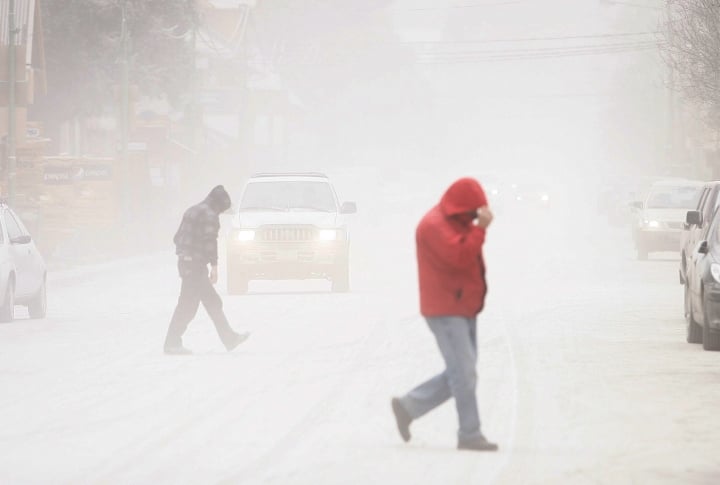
(457, 339)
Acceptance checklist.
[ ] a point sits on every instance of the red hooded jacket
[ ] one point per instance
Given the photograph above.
(449, 252)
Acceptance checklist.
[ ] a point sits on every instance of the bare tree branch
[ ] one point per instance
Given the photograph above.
(692, 51)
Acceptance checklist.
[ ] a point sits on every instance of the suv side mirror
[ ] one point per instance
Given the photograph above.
(21, 240)
(703, 248)
(693, 218)
(638, 204)
(348, 208)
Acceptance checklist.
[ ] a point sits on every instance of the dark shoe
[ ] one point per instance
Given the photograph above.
(403, 419)
(477, 444)
(236, 340)
(177, 350)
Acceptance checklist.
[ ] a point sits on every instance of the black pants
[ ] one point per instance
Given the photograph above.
(196, 288)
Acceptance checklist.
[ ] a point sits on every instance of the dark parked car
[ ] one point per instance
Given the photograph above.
(696, 222)
(702, 290)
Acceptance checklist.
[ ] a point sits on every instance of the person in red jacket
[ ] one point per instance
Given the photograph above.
(452, 293)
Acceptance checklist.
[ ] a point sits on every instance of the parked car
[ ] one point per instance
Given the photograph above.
(696, 222)
(702, 288)
(661, 216)
(289, 226)
(23, 274)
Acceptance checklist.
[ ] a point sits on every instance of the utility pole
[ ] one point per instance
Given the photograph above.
(11, 155)
(672, 138)
(196, 115)
(125, 89)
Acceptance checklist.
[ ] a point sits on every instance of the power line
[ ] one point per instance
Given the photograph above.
(464, 6)
(476, 57)
(541, 50)
(535, 39)
(479, 57)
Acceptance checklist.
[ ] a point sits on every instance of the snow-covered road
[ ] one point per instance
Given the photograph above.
(585, 376)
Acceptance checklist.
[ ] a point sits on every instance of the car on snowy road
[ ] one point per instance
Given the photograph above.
(23, 273)
(662, 215)
(702, 291)
(697, 222)
(289, 226)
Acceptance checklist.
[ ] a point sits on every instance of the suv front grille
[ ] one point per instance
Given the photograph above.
(284, 234)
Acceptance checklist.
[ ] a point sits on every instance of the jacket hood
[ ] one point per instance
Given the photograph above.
(219, 199)
(463, 196)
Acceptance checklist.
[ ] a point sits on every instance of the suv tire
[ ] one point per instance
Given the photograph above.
(694, 330)
(237, 282)
(710, 339)
(341, 278)
(37, 308)
(7, 310)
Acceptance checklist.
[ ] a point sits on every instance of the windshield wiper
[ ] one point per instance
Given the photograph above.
(261, 208)
(309, 207)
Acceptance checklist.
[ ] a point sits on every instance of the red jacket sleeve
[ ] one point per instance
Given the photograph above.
(454, 250)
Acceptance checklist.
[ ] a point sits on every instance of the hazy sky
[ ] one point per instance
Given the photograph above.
(528, 111)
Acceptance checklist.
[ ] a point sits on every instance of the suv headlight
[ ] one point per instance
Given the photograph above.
(651, 224)
(328, 235)
(245, 235)
(715, 272)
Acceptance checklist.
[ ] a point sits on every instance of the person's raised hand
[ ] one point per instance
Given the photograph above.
(484, 217)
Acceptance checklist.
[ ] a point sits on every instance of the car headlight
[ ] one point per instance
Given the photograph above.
(545, 198)
(494, 191)
(652, 224)
(328, 235)
(715, 272)
(245, 235)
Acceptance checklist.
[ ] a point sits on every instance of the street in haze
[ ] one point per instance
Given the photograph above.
(584, 132)
(584, 373)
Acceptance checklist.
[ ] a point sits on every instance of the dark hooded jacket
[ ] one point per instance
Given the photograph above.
(196, 238)
(449, 252)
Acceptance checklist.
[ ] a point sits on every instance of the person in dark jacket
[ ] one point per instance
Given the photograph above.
(452, 293)
(196, 248)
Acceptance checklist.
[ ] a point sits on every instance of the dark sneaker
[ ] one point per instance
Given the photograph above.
(177, 350)
(236, 340)
(403, 419)
(477, 444)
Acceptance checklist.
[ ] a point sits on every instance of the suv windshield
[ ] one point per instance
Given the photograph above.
(680, 197)
(300, 195)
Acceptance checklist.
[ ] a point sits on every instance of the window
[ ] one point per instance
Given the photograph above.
(301, 195)
(13, 228)
(709, 207)
(679, 197)
(703, 198)
(712, 230)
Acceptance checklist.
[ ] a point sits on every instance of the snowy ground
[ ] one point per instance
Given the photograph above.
(585, 376)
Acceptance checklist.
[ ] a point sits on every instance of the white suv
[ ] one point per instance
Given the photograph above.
(289, 226)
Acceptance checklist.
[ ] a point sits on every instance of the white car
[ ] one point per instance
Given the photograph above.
(662, 215)
(289, 226)
(23, 273)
